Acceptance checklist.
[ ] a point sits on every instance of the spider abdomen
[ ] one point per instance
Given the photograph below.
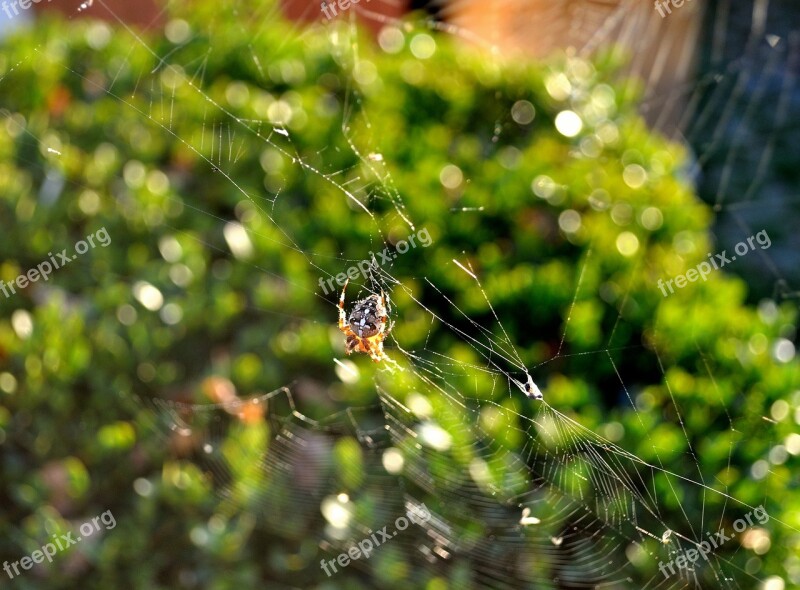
(365, 319)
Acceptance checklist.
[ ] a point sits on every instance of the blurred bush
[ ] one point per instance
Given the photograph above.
(568, 234)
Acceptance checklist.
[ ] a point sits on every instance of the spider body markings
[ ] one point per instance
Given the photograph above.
(366, 327)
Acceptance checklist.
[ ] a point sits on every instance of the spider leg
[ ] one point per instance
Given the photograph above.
(386, 302)
(343, 324)
(352, 344)
(384, 316)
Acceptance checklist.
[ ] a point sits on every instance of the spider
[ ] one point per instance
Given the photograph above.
(366, 327)
(530, 388)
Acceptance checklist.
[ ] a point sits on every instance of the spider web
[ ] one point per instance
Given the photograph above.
(567, 507)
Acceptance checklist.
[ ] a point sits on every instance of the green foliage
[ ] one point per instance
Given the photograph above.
(569, 237)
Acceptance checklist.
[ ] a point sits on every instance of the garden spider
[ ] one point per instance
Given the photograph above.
(366, 327)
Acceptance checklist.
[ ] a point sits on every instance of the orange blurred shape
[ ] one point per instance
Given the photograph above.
(222, 391)
(58, 100)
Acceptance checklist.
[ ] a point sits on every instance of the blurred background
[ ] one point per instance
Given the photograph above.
(212, 171)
